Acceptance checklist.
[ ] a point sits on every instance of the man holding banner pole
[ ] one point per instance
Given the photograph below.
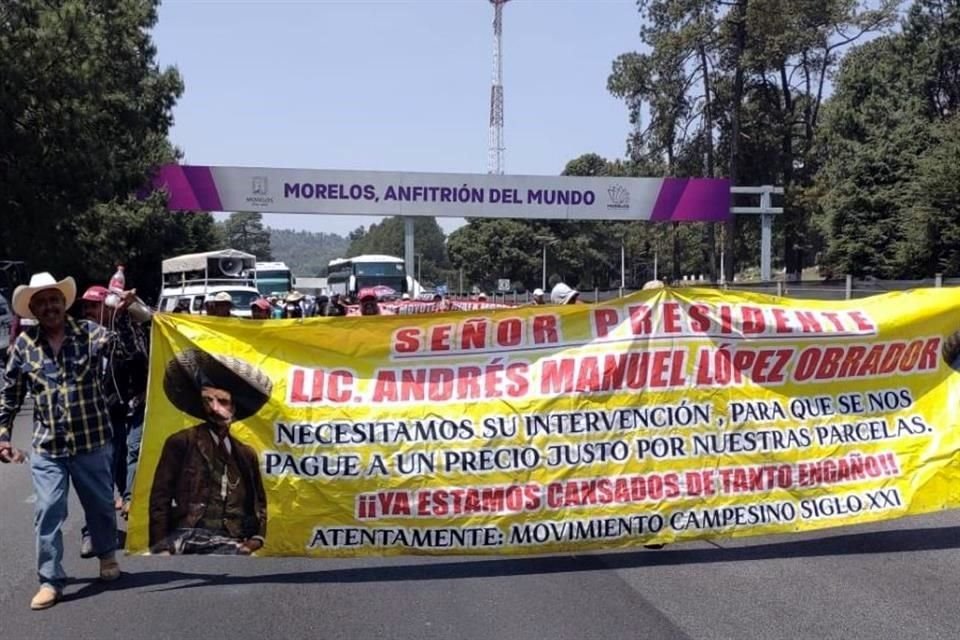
(58, 361)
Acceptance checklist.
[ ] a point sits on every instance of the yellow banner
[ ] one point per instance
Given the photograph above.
(665, 416)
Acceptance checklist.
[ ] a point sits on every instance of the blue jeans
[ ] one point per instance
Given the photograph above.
(92, 476)
(134, 435)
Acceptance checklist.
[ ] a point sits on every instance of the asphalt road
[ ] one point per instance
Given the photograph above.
(896, 580)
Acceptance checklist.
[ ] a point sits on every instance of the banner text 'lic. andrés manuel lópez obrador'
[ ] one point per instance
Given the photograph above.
(665, 416)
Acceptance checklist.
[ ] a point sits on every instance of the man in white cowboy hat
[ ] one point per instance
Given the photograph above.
(538, 296)
(207, 494)
(218, 304)
(57, 361)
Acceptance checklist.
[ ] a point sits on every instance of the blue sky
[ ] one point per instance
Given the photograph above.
(393, 85)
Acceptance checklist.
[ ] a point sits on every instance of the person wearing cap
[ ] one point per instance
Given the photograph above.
(125, 382)
(57, 362)
(564, 294)
(207, 494)
(405, 297)
(369, 306)
(219, 304)
(260, 309)
(538, 296)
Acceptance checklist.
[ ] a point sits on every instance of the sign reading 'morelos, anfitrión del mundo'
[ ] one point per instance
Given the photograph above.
(387, 193)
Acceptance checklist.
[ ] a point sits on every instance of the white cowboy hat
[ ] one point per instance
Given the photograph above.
(39, 282)
(221, 296)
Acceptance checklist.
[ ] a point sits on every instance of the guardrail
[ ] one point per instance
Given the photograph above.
(846, 289)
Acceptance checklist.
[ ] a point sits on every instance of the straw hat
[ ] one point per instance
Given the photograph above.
(221, 296)
(193, 369)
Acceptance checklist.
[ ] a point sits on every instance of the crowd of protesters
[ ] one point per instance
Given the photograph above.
(367, 302)
(87, 376)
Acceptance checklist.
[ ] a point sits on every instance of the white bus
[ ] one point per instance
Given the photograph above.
(346, 276)
(273, 278)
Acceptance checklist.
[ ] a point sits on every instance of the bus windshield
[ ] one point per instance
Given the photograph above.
(274, 281)
(347, 277)
(377, 270)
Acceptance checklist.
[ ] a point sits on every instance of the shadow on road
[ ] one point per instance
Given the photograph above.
(921, 539)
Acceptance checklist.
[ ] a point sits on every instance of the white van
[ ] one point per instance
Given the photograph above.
(194, 277)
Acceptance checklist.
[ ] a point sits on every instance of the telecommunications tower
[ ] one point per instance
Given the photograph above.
(495, 151)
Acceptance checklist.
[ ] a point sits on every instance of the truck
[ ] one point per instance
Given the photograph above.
(188, 280)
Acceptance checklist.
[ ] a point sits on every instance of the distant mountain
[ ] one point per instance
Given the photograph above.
(305, 252)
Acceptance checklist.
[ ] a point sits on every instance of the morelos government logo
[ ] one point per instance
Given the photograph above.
(260, 192)
(619, 197)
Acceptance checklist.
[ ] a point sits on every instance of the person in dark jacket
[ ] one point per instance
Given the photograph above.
(207, 494)
(125, 387)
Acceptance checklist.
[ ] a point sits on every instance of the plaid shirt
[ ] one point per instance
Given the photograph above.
(70, 414)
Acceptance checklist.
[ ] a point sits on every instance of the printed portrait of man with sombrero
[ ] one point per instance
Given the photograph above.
(207, 495)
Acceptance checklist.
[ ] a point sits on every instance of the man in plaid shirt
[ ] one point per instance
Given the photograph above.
(58, 362)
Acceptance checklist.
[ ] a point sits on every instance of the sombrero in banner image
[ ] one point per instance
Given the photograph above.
(950, 350)
(193, 369)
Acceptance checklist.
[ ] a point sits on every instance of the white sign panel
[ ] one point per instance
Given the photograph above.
(386, 193)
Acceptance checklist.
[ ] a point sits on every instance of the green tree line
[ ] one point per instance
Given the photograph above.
(84, 114)
(851, 106)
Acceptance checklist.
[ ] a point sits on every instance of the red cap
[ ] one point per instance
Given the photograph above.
(366, 294)
(261, 303)
(96, 293)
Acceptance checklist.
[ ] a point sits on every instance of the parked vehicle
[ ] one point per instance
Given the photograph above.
(346, 276)
(273, 278)
(194, 277)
